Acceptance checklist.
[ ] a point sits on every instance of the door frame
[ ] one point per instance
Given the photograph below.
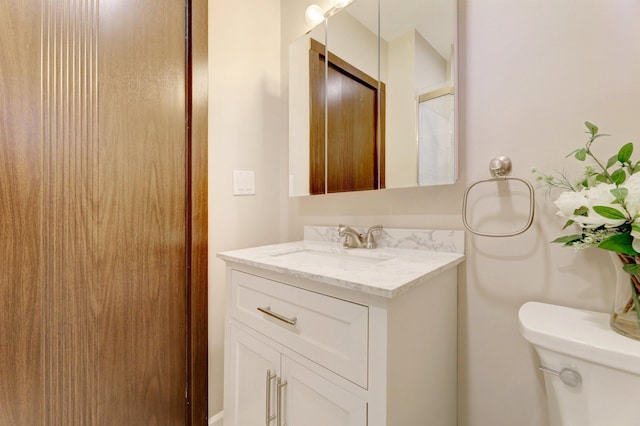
(196, 211)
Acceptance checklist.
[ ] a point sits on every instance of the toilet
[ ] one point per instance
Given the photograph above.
(591, 373)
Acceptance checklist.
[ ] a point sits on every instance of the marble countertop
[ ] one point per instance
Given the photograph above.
(385, 271)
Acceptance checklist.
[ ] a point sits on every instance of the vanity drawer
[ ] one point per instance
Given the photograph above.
(332, 332)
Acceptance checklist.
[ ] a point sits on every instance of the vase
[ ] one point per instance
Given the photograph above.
(625, 315)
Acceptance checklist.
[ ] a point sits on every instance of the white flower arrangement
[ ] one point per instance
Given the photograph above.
(604, 204)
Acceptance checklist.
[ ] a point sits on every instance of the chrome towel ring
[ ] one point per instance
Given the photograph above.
(499, 168)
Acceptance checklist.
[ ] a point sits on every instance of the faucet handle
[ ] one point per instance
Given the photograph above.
(370, 241)
(352, 238)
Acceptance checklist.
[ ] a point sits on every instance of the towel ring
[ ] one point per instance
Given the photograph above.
(499, 168)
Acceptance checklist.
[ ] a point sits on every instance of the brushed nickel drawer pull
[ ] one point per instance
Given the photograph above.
(267, 310)
(280, 384)
(268, 415)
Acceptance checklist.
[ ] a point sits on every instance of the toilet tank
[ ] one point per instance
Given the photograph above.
(608, 363)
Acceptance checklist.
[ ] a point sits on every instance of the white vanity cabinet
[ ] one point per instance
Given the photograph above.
(303, 352)
(267, 381)
(294, 394)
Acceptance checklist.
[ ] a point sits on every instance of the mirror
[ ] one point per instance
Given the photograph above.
(417, 62)
(380, 112)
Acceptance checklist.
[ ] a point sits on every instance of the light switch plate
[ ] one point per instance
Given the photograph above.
(244, 182)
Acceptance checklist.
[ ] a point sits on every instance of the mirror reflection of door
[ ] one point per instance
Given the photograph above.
(353, 161)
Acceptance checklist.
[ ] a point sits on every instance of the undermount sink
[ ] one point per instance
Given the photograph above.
(344, 259)
(401, 261)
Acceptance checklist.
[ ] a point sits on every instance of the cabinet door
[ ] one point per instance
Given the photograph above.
(308, 399)
(245, 399)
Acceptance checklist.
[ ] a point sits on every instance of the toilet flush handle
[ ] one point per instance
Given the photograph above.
(569, 376)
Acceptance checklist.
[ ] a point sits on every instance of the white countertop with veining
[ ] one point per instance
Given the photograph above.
(385, 271)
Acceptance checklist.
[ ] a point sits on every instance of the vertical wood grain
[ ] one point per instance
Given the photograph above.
(69, 201)
(354, 126)
(351, 132)
(21, 265)
(317, 114)
(198, 159)
(142, 213)
(102, 245)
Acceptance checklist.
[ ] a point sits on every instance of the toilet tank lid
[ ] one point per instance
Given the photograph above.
(580, 334)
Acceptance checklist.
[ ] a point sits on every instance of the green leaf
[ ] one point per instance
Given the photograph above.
(603, 178)
(632, 268)
(581, 154)
(569, 223)
(620, 193)
(572, 153)
(619, 243)
(582, 211)
(635, 226)
(593, 129)
(568, 239)
(625, 153)
(618, 177)
(609, 212)
(613, 160)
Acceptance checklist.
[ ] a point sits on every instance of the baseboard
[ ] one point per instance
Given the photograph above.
(217, 419)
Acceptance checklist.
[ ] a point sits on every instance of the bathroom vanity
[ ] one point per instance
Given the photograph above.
(321, 335)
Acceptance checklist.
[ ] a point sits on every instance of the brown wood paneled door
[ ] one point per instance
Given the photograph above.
(351, 132)
(355, 143)
(102, 214)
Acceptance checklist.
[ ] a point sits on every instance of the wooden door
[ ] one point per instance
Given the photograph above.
(102, 215)
(352, 156)
(351, 132)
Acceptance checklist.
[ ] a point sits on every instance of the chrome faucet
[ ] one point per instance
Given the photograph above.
(353, 239)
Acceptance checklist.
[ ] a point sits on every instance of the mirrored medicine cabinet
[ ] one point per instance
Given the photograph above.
(372, 98)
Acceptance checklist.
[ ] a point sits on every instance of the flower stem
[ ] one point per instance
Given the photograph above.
(634, 302)
(634, 295)
(604, 169)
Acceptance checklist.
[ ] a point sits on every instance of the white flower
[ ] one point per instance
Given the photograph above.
(568, 202)
(618, 220)
(636, 240)
(633, 198)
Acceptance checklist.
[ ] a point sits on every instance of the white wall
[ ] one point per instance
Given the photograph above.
(351, 41)
(412, 66)
(401, 166)
(245, 133)
(531, 71)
